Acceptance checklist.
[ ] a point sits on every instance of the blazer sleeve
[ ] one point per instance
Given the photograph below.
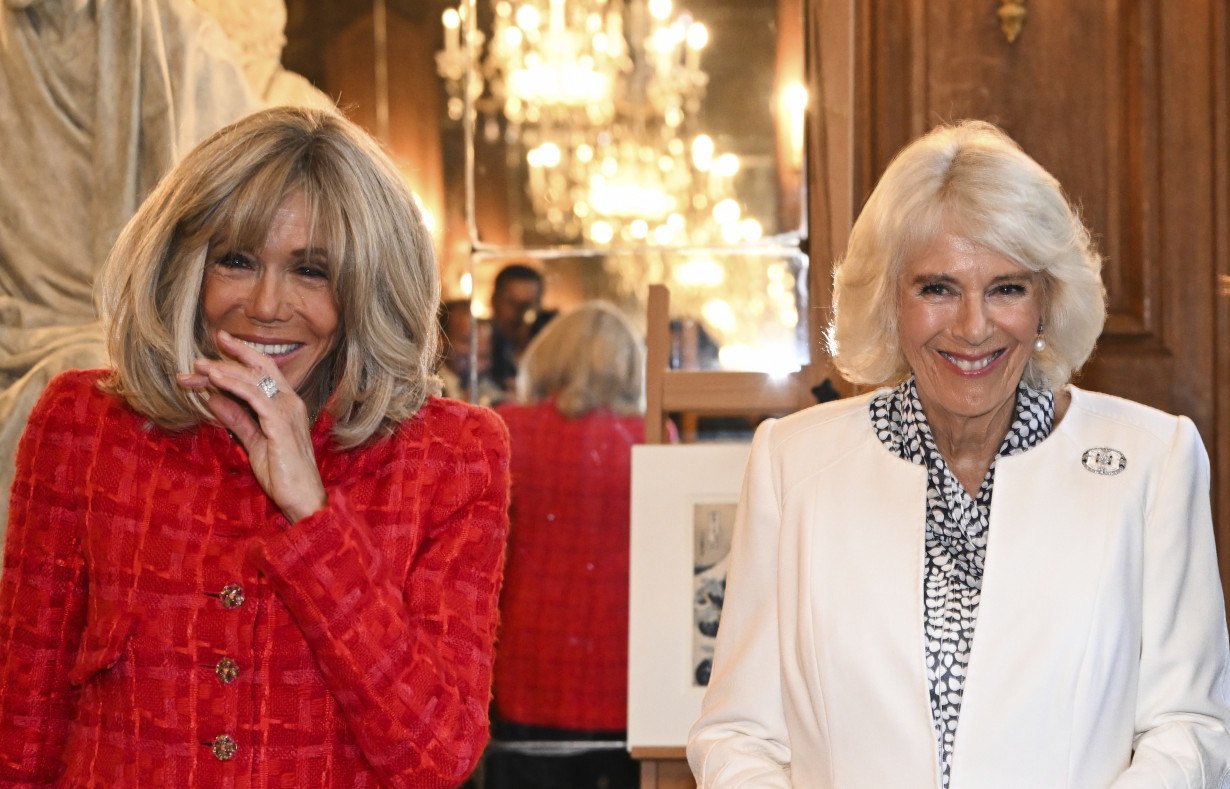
(1183, 703)
(410, 666)
(43, 595)
(741, 738)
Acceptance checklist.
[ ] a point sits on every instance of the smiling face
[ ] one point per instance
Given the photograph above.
(278, 299)
(967, 319)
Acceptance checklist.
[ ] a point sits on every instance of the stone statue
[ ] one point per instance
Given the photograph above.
(257, 29)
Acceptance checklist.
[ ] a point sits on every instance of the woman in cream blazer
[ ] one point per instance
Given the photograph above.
(1100, 617)
(1099, 657)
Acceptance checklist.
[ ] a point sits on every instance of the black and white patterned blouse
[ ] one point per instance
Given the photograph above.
(956, 539)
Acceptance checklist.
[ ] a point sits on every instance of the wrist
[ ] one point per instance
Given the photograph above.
(300, 511)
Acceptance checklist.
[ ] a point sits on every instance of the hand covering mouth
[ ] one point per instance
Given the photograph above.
(972, 365)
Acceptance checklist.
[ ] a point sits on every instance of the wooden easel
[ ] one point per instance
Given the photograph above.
(708, 393)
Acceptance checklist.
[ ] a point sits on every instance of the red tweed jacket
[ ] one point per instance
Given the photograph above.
(161, 625)
(562, 659)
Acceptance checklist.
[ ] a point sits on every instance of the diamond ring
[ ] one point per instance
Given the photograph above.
(268, 386)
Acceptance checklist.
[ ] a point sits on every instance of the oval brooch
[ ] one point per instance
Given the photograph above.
(1104, 460)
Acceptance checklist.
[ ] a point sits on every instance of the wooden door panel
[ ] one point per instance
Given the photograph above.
(1220, 164)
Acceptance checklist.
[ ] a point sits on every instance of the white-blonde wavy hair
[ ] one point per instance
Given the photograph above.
(226, 191)
(590, 357)
(972, 180)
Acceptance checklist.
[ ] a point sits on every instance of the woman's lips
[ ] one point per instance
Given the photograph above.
(972, 365)
(272, 349)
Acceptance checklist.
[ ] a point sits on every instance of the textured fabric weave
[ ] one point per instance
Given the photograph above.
(562, 659)
(362, 636)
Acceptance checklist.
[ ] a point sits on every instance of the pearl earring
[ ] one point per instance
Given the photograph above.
(1039, 344)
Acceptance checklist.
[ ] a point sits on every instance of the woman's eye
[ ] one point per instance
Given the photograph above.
(234, 260)
(1010, 289)
(311, 271)
(933, 289)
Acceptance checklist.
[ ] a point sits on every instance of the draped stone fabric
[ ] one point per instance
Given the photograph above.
(257, 30)
(98, 98)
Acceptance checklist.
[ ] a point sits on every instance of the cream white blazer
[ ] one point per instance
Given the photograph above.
(1100, 654)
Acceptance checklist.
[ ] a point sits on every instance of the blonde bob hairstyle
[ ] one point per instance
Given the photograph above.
(972, 180)
(225, 192)
(591, 357)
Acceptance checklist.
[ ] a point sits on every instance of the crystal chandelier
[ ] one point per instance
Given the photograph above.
(598, 96)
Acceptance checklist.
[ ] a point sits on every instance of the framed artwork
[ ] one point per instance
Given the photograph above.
(683, 514)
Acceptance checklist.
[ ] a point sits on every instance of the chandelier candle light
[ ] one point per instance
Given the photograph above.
(598, 94)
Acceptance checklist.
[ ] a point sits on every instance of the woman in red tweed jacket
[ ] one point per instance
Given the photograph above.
(561, 670)
(257, 552)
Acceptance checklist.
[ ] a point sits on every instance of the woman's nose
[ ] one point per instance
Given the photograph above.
(973, 323)
(267, 303)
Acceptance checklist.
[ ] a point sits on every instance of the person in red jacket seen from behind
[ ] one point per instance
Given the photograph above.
(561, 669)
